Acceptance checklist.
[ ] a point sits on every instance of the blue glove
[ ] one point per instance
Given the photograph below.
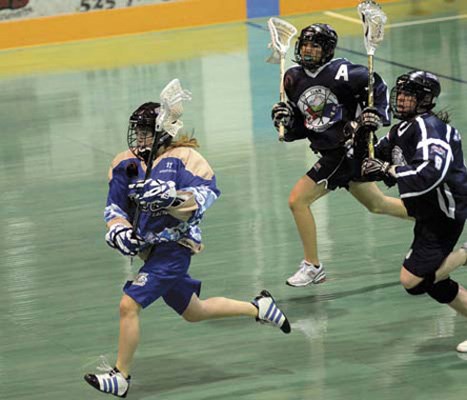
(155, 193)
(122, 238)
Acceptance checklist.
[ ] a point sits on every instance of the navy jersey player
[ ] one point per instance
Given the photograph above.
(324, 95)
(181, 187)
(423, 155)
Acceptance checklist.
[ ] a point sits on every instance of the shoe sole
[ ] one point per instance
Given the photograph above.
(321, 280)
(286, 325)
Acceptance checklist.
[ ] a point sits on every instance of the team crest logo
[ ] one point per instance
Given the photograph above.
(13, 4)
(397, 156)
(141, 279)
(320, 108)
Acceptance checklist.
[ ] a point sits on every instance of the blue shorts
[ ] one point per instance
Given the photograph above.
(165, 274)
(433, 241)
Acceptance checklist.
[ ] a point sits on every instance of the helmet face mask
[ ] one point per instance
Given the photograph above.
(415, 93)
(140, 139)
(320, 36)
(142, 129)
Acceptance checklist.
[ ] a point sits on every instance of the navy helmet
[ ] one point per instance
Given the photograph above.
(422, 85)
(323, 35)
(142, 129)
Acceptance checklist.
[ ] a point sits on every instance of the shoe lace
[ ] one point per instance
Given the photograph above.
(105, 366)
(304, 267)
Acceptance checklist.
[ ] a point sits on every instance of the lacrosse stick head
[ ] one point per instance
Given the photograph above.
(159, 122)
(323, 35)
(172, 98)
(373, 21)
(282, 33)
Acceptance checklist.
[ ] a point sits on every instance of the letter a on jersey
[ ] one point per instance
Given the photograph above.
(342, 73)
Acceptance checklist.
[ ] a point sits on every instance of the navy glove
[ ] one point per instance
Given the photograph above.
(123, 238)
(282, 114)
(376, 170)
(369, 120)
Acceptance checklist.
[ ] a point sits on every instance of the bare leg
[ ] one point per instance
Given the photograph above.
(303, 194)
(460, 302)
(217, 307)
(376, 201)
(453, 261)
(129, 333)
(408, 279)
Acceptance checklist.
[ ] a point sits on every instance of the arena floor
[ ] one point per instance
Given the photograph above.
(64, 111)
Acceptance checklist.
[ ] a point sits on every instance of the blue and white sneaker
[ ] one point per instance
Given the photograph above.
(111, 382)
(269, 313)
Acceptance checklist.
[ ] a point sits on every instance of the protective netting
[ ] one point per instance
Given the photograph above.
(281, 34)
(373, 19)
(171, 98)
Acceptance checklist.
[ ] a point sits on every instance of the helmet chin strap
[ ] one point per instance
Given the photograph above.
(144, 154)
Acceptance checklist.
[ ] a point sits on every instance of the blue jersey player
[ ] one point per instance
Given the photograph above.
(423, 155)
(325, 94)
(181, 187)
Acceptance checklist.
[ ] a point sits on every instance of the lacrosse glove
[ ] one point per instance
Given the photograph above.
(123, 238)
(377, 170)
(369, 120)
(282, 113)
(154, 193)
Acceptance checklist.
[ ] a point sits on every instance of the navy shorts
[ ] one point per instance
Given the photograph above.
(335, 169)
(433, 241)
(165, 274)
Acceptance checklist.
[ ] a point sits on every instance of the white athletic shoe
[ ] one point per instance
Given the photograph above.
(269, 313)
(306, 275)
(462, 347)
(112, 382)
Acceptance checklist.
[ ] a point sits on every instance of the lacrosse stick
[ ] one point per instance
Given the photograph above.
(171, 100)
(373, 20)
(281, 35)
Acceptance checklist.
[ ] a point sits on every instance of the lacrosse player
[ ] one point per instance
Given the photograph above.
(326, 94)
(181, 187)
(422, 154)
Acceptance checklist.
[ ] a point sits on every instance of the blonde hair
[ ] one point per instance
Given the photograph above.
(184, 141)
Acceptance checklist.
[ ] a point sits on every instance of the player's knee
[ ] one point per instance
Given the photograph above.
(295, 203)
(298, 202)
(444, 291)
(191, 317)
(128, 307)
(194, 313)
(418, 288)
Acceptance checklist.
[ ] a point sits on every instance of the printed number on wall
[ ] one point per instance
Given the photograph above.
(87, 5)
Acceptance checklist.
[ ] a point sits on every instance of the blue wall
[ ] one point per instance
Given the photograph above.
(262, 8)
